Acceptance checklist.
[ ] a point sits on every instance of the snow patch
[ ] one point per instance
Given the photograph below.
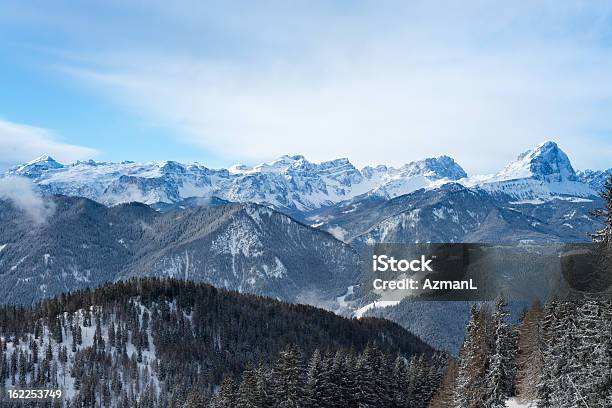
(377, 304)
(513, 403)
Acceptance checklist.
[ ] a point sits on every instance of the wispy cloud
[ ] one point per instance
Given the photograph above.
(377, 82)
(20, 143)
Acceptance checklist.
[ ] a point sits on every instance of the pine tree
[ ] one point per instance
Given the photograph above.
(22, 369)
(249, 395)
(316, 382)
(398, 382)
(350, 382)
(473, 359)
(35, 351)
(49, 352)
(226, 397)
(564, 363)
(366, 381)
(500, 374)
(13, 366)
(111, 334)
(594, 375)
(78, 335)
(530, 353)
(197, 400)
(289, 390)
(444, 397)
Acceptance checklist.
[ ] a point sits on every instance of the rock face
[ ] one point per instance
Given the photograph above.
(545, 163)
(244, 247)
(291, 183)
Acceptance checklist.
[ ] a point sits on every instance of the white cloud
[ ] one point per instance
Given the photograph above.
(21, 192)
(21, 143)
(377, 82)
(483, 110)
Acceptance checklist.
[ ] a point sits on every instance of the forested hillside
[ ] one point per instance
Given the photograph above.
(163, 343)
(244, 247)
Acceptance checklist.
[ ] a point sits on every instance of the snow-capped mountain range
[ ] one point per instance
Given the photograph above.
(289, 183)
(294, 184)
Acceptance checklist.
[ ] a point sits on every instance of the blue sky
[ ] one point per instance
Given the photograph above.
(242, 81)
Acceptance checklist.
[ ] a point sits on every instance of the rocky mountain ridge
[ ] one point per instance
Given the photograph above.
(295, 185)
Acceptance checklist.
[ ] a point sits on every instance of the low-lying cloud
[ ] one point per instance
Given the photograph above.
(20, 191)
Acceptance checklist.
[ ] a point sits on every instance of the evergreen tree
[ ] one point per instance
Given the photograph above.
(34, 349)
(249, 393)
(317, 382)
(49, 352)
(366, 381)
(444, 397)
(289, 390)
(530, 353)
(500, 373)
(197, 400)
(473, 359)
(594, 375)
(226, 397)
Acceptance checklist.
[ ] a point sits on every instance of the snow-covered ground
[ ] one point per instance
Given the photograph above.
(513, 403)
(64, 378)
(377, 304)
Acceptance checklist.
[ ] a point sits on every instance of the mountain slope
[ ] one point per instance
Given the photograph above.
(454, 213)
(244, 247)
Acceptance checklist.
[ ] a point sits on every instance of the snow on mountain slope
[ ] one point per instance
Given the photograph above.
(546, 162)
(289, 183)
(296, 185)
(36, 167)
(538, 175)
(594, 178)
(427, 173)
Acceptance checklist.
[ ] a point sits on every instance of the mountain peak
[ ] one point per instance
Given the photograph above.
(37, 166)
(435, 168)
(545, 162)
(45, 158)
